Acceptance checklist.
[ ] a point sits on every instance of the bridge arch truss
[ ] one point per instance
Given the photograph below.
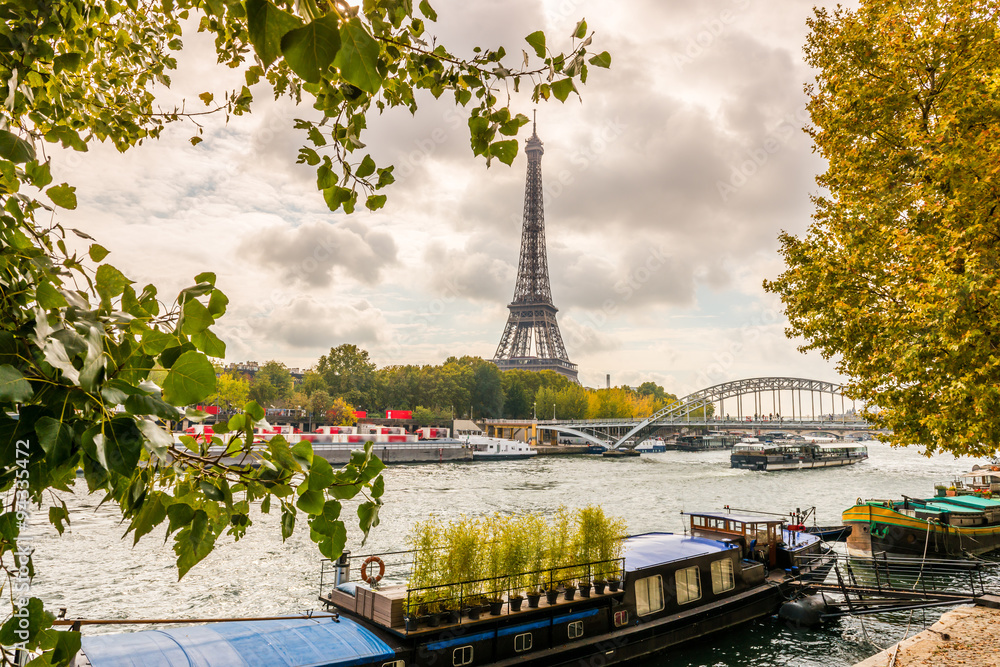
(755, 388)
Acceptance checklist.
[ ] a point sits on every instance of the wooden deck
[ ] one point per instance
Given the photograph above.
(385, 607)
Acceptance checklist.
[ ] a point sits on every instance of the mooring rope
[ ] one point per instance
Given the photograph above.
(923, 559)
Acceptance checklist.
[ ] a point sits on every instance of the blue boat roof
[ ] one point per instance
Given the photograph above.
(317, 642)
(651, 549)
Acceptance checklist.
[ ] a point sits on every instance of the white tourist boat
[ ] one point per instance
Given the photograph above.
(485, 448)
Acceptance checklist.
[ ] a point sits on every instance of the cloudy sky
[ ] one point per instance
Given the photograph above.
(666, 189)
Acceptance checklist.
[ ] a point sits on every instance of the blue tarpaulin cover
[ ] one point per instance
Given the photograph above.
(301, 642)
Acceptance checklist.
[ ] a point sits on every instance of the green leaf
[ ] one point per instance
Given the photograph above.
(580, 31)
(378, 487)
(37, 620)
(320, 473)
(375, 202)
(63, 195)
(180, 515)
(344, 491)
(13, 387)
(601, 60)
(266, 25)
(67, 61)
(209, 343)
(64, 644)
(427, 10)
(59, 515)
(287, 523)
(152, 514)
(157, 440)
(336, 196)
(14, 148)
(333, 546)
(211, 491)
(311, 502)
(368, 516)
(311, 49)
(505, 151)
(191, 379)
(196, 318)
(254, 410)
(217, 303)
(110, 282)
(119, 446)
(562, 88)
(366, 168)
(56, 438)
(536, 40)
(193, 543)
(358, 57)
(48, 297)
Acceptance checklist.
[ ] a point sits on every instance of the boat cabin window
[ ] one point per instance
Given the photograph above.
(394, 663)
(575, 629)
(522, 642)
(621, 618)
(649, 595)
(462, 656)
(698, 521)
(722, 576)
(688, 585)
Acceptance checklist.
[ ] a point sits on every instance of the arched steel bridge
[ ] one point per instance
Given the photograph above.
(812, 405)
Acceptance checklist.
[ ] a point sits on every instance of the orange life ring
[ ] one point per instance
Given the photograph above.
(364, 570)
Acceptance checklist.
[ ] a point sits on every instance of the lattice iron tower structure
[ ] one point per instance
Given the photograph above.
(532, 316)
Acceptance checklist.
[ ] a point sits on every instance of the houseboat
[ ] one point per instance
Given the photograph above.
(983, 478)
(765, 456)
(947, 526)
(729, 569)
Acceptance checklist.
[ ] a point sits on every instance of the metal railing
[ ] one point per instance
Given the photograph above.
(883, 583)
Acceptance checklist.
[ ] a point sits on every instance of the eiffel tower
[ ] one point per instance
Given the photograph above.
(532, 315)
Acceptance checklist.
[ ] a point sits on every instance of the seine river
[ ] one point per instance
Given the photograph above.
(95, 573)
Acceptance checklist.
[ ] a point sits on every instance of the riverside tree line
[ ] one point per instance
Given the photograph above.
(346, 380)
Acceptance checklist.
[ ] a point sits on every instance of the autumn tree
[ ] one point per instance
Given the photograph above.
(80, 343)
(898, 276)
(231, 391)
(341, 413)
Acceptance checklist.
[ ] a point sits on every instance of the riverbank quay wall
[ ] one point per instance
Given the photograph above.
(967, 636)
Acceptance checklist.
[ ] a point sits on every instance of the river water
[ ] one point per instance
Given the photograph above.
(95, 573)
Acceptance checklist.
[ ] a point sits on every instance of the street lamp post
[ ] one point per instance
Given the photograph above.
(534, 405)
(553, 412)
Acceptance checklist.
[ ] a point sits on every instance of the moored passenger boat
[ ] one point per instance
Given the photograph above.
(673, 588)
(764, 456)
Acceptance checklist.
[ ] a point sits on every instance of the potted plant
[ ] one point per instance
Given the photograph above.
(940, 490)
(559, 551)
(533, 596)
(570, 592)
(515, 602)
(495, 559)
(584, 588)
(951, 491)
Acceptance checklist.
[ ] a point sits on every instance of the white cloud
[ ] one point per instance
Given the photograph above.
(665, 192)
